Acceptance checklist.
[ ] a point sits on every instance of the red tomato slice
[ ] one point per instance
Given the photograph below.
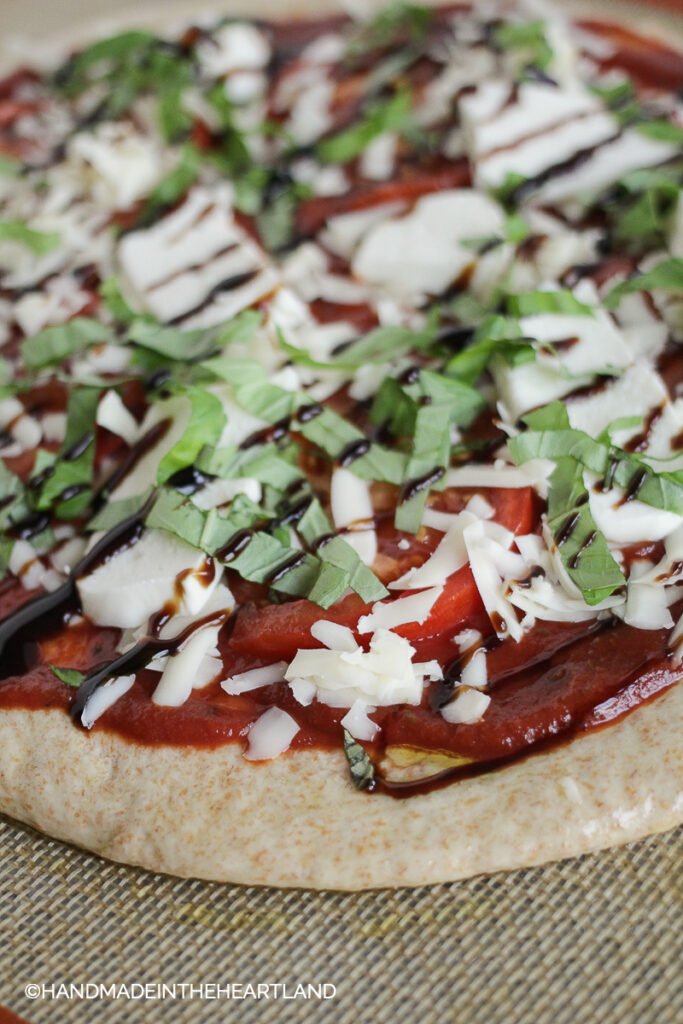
(276, 632)
(312, 213)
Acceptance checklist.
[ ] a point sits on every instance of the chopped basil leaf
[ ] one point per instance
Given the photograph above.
(115, 512)
(496, 335)
(252, 388)
(265, 558)
(205, 426)
(70, 676)
(666, 276)
(55, 344)
(528, 38)
(39, 242)
(551, 437)
(360, 766)
(276, 221)
(379, 345)
(333, 434)
(661, 129)
(126, 67)
(111, 295)
(172, 343)
(391, 115)
(173, 513)
(512, 185)
(9, 167)
(397, 21)
(583, 549)
(335, 552)
(266, 463)
(559, 301)
(68, 488)
(424, 411)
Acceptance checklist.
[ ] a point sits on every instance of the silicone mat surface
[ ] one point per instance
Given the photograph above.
(587, 941)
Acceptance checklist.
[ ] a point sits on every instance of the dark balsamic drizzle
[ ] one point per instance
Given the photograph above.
(273, 432)
(309, 412)
(412, 487)
(71, 492)
(608, 480)
(189, 480)
(223, 286)
(79, 446)
(281, 570)
(352, 451)
(235, 546)
(322, 540)
(409, 376)
(294, 513)
(30, 526)
(530, 185)
(138, 658)
(567, 528)
(640, 441)
(455, 338)
(144, 445)
(574, 561)
(20, 631)
(636, 482)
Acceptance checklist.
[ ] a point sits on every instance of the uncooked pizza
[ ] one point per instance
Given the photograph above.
(341, 423)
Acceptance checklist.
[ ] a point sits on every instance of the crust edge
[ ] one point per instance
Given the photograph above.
(298, 822)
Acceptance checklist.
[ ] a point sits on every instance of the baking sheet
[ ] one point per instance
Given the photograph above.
(586, 941)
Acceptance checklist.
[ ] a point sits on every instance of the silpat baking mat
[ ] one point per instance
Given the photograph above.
(586, 941)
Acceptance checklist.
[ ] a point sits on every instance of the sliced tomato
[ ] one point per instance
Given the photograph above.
(312, 213)
(650, 61)
(276, 632)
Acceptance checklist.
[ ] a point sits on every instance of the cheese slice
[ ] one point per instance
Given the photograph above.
(270, 735)
(423, 251)
(137, 582)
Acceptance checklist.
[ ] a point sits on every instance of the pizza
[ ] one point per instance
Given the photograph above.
(341, 423)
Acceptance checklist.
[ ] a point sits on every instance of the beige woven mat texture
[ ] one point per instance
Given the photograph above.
(591, 941)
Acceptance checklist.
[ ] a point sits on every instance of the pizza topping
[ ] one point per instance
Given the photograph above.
(270, 735)
(360, 766)
(318, 358)
(383, 675)
(467, 707)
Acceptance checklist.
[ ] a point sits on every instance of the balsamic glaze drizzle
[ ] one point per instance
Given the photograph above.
(20, 630)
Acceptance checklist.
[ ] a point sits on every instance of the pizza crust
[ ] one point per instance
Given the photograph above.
(298, 821)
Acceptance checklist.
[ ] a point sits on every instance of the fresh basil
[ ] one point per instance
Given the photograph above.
(527, 38)
(114, 512)
(67, 491)
(398, 21)
(204, 428)
(391, 115)
(667, 276)
(70, 676)
(582, 548)
(55, 344)
(560, 301)
(39, 242)
(126, 67)
(361, 767)
(495, 335)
